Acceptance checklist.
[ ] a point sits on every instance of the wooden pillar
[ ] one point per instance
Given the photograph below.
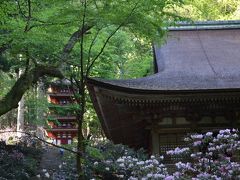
(194, 118)
(155, 141)
(232, 119)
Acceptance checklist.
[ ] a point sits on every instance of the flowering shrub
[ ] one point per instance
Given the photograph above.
(134, 169)
(212, 156)
(11, 165)
(17, 162)
(208, 156)
(109, 161)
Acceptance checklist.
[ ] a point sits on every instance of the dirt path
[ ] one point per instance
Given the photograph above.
(51, 163)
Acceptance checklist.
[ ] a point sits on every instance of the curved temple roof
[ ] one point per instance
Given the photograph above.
(205, 55)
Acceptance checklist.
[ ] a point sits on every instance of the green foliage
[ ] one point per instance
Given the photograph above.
(62, 110)
(94, 153)
(35, 107)
(211, 9)
(5, 83)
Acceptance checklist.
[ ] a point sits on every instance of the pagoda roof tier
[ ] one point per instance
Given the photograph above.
(64, 117)
(63, 130)
(58, 94)
(52, 105)
(197, 57)
(61, 82)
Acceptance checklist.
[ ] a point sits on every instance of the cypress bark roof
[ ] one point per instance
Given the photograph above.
(200, 56)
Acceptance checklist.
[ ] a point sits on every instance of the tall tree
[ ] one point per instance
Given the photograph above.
(104, 19)
(26, 28)
(73, 35)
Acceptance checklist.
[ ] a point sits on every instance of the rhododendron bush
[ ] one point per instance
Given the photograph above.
(206, 156)
(211, 156)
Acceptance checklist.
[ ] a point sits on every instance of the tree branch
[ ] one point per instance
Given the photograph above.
(109, 37)
(73, 40)
(42, 140)
(82, 41)
(43, 23)
(20, 9)
(29, 16)
(10, 101)
(91, 46)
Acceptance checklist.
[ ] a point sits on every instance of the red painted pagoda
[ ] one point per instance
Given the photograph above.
(61, 120)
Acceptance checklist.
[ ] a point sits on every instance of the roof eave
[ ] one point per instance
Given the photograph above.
(129, 90)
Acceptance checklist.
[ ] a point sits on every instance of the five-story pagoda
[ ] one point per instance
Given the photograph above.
(61, 119)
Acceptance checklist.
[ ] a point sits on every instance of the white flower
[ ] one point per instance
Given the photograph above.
(135, 159)
(148, 161)
(197, 136)
(226, 136)
(108, 161)
(178, 151)
(235, 135)
(47, 175)
(157, 176)
(204, 175)
(199, 153)
(210, 153)
(133, 178)
(130, 165)
(155, 162)
(193, 155)
(95, 163)
(149, 175)
(197, 143)
(120, 176)
(209, 134)
(169, 178)
(107, 168)
(140, 163)
(211, 149)
(149, 166)
(219, 136)
(38, 176)
(121, 165)
(44, 170)
(226, 131)
(152, 157)
(120, 160)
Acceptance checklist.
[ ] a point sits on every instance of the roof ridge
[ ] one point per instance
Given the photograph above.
(205, 25)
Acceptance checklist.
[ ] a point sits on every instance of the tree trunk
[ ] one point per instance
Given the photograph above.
(80, 148)
(20, 117)
(40, 96)
(81, 141)
(20, 112)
